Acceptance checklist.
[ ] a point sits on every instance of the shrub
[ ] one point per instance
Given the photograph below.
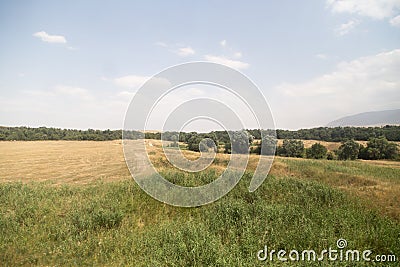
(316, 151)
(348, 150)
(173, 144)
(267, 146)
(330, 156)
(379, 148)
(239, 142)
(292, 148)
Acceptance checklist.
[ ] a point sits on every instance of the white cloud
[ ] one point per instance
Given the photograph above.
(347, 27)
(126, 94)
(185, 51)
(178, 48)
(237, 55)
(66, 106)
(61, 91)
(131, 81)
(72, 48)
(395, 21)
(195, 91)
(376, 9)
(134, 82)
(45, 37)
(228, 49)
(236, 64)
(365, 84)
(72, 91)
(169, 103)
(162, 44)
(321, 56)
(38, 93)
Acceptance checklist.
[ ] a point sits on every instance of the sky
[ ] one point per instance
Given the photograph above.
(78, 64)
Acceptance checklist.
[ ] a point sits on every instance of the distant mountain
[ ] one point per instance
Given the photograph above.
(373, 118)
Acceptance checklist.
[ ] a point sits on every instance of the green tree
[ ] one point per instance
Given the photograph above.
(203, 146)
(267, 146)
(198, 142)
(330, 156)
(379, 148)
(240, 142)
(292, 148)
(316, 151)
(193, 143)
(174, 144)
(227, 148)
(348, 150)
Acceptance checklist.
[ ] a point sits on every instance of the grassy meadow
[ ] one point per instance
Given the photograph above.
(75, 203)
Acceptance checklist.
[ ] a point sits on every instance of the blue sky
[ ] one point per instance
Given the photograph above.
(77, 64)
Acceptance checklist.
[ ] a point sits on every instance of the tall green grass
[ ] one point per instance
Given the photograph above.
(323, 169)
(118, 224)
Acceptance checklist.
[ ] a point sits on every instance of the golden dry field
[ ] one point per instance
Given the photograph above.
(72, 162)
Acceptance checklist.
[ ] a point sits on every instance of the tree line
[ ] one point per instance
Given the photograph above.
(376, 148)
(339, 134)
(334, 134)
(242, 142)
(45, 133)
(378, 145)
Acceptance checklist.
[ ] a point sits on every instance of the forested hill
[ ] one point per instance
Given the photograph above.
(373, 118)
(335, 134)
